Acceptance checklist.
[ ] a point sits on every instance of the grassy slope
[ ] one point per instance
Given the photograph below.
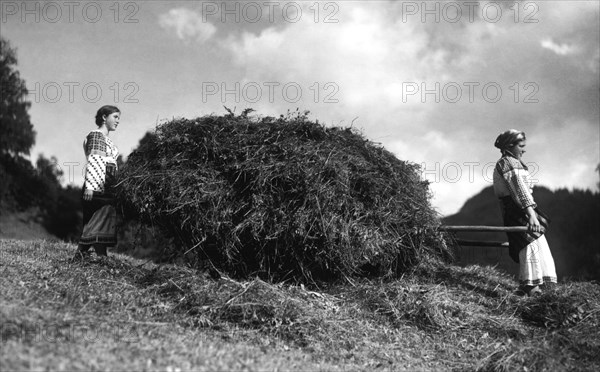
(126, 314)
(22, 225)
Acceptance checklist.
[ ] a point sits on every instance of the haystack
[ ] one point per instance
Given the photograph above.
(281, 198)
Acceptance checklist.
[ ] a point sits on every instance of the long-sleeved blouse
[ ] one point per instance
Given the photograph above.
(512, 178)
(101, 154)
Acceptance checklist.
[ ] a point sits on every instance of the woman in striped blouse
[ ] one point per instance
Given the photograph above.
(99, 214)
(513, 186)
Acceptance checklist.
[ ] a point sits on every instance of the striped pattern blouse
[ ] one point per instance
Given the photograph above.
(512, 178)
(101, 154)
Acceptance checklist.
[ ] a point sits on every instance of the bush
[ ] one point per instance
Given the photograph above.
(22, 187)
(280, 198)
(65, 217)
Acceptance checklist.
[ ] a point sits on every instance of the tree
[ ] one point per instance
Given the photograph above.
(17, 135)
(25, 186)
(47, 183)
(17, 131)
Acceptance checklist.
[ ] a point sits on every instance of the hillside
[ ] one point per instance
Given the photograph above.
(25, 225)
(573, 233)
(121, 313)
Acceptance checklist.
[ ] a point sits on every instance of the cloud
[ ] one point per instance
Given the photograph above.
(573, 154)
(368, 55)
(560, 49)
(372, 53)
(187, 24)
(367, 58)
(575, 25)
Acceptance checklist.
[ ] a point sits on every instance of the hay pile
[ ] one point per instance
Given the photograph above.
(281, 198)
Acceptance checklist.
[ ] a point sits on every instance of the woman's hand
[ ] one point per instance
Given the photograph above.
(534, 224)
(87, 194)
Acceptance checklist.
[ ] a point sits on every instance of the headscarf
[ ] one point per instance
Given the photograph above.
(508, 139)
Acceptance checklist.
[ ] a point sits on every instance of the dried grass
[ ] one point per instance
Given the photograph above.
(436, 317)
(569, 314)
(282, 198)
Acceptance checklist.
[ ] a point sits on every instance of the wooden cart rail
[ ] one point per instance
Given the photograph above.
(484, 228)
(482, 243)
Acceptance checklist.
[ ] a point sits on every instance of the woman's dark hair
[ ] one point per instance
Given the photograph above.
(105, 110)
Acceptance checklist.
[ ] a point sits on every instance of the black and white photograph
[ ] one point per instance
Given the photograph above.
(303, 185)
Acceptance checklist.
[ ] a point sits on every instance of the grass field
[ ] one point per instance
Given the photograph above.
(121, 313)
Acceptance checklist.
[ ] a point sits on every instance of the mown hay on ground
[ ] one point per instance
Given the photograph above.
(436, 317)
(282, 198)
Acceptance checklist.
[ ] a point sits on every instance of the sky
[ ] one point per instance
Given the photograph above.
(433, 82)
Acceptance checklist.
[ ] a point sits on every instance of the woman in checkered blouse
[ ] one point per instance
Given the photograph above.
(513, 186)
(99, 214)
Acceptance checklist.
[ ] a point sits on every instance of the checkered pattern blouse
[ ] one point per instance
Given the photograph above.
(511, 178)
(101, 155)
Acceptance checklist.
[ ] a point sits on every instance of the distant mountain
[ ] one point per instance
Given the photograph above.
(573, 234)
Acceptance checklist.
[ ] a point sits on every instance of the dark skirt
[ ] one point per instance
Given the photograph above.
(99, 220)
(100, 214)
(515, 216)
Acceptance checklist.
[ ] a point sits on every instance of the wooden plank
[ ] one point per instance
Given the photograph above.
(484, 228)
(475, 243)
